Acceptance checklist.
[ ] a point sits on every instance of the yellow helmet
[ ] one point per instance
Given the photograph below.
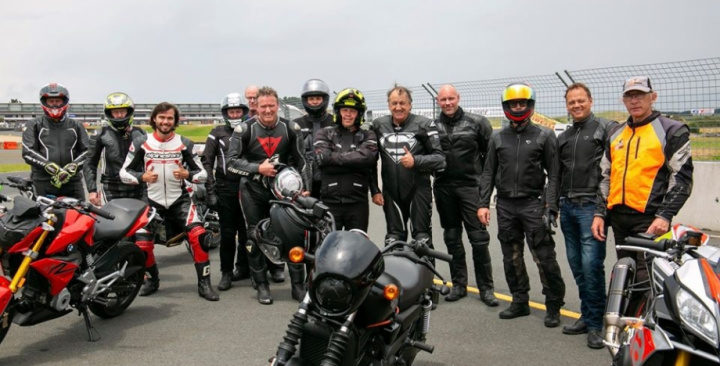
(518, 91)
(350, 98)
(119, 101)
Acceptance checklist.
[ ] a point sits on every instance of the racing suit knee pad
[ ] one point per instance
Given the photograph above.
(452, 236)
(479, 237)
(197, 237)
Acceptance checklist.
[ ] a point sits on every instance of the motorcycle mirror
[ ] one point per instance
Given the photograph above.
(444, 290)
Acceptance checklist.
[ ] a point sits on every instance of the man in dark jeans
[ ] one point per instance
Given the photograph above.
(464, 138)
(519, 159)
(581, 148)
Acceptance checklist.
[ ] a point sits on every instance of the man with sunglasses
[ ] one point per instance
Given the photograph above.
(519, 159)
(646, 169)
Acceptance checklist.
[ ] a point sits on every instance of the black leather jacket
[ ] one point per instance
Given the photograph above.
(46, 141)
(309, 126)
(215, 155)
(464, 139)
(518, 162)
(420, 136)
(581, 148)
(347, 160)
(112, 147)
(251, 143)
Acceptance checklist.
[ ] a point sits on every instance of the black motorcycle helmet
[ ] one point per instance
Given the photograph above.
(350, 98)
(119, 101)
(319, 88)
(347, 264)
(55, 90)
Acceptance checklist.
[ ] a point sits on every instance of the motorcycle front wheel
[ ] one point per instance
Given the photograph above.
(124, 290)
(6, 319)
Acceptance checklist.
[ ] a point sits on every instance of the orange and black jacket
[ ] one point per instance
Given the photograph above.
(647, 168)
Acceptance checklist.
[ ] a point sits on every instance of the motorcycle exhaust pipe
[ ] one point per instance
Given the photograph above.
(623, 274)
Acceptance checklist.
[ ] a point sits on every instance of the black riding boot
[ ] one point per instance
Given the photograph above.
(152, 281)
(297, 281)
(205, 289)
(258, 274)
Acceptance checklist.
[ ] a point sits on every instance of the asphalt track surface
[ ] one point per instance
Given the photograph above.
(176, 327)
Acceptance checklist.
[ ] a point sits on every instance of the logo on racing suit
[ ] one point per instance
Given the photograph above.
(393, 144)
(269, 144)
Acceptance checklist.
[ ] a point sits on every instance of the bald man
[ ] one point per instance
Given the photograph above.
(251, 94)
(464, 138)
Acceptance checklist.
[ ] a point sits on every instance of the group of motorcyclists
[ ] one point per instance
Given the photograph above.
(456, 155)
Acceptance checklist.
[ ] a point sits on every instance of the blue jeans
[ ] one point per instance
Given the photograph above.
(586, 256)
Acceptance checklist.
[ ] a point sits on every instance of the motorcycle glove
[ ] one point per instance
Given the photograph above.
(71, 169)
(52, 169)
(212, 199)
(63, 176)
(550, 220)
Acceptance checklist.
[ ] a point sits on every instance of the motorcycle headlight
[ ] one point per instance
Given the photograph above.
(697, 317)
(333, 295)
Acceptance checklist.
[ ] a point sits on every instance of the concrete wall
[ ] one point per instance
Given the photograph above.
(702, 210)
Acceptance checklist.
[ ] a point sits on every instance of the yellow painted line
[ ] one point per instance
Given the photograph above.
(534, 305)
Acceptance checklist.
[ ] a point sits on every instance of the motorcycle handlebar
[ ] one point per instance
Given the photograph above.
(423, 250)
(306, 202)
(661, 245)
(100, 212)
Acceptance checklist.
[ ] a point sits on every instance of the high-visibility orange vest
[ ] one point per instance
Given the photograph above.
(637, 158)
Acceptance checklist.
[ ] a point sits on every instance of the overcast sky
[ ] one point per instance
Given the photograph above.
(198, 51)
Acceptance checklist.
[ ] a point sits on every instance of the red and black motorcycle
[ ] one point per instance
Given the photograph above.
(63, 254)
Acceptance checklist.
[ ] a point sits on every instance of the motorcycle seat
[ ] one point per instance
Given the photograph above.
(126, 211)
(413, 278)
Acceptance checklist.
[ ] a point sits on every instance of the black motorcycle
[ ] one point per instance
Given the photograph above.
(364, 306)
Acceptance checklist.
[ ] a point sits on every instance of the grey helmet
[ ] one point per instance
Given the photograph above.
(315, 87)
(234, 100)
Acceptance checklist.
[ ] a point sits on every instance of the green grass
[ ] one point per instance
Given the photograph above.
(196, 133)
(6, 168)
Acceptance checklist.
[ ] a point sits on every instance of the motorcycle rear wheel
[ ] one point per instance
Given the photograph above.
(124, 290)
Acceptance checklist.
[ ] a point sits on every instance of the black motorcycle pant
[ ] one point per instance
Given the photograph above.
(628, 222)
(522, 217)
(233, 235)
(457, 206)
(350, 215)
(74, 188)
(415, 207)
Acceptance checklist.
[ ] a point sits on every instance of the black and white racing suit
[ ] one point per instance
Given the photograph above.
(168, 194)
(407, 192)
(47, 141)
(250, 145)
(108, 149)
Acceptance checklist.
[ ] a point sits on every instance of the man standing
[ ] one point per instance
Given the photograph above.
(109, 150)
(315, 99)
(347, 156)
(464, 137)
(158, 160)
(646, 171)
(253, 145)
(520, 158)
(223, 189)
(55, 146)
(581, 148)
(277, 271)
(410, 151)
(251, 95)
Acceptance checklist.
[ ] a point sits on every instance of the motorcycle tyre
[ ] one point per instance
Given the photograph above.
(134, 256)
(10, 311)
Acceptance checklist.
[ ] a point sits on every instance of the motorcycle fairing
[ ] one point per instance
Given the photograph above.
(5, 294)
(25, 244)
(139, 223)
(74, 227)
(59, 273)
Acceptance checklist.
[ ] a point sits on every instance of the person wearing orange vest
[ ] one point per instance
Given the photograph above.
(647, 171)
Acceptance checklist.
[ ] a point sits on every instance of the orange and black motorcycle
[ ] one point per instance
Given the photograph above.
(63, 254)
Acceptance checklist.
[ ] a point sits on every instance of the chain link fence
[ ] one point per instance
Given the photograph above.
(687, 90)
